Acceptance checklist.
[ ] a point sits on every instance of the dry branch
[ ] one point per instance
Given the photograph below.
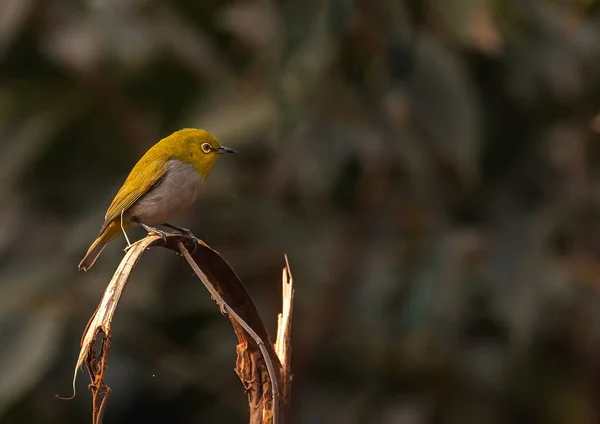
(265, 376)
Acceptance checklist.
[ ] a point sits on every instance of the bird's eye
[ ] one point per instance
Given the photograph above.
(206, 147)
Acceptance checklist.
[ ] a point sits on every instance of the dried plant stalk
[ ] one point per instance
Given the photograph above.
(99, 326)
(284, 334)
(268, 410)
(265, 376)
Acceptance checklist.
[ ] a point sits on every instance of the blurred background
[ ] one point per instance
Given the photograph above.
(431, 167)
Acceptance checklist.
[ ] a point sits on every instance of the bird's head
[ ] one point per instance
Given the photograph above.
(199, 148)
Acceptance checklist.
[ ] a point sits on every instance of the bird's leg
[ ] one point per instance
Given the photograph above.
(151, 230)
(124, 233)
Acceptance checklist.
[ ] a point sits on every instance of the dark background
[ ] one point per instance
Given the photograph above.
(431, 167)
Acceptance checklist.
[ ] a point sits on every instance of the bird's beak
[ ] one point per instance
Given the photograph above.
(224, 149)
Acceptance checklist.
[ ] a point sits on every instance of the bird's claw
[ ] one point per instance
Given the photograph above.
(184, 232)
(188, 233)
(159, 233)
(151, 230)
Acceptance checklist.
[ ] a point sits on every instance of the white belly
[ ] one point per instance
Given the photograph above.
(172, 196)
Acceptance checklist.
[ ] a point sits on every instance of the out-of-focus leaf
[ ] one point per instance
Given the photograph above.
(254, 24)
(13, 14)
(471, 22)
(309, 50)
(444, 104)
(30, 343)
(235, 117)
(194, 49)
(25, 144)
(595, 124)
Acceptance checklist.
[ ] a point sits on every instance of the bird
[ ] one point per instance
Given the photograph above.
(163, 184)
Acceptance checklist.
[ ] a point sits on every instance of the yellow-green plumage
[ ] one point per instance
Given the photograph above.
(161, 185)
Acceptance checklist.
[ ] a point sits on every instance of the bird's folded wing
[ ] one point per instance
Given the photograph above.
(140, 181)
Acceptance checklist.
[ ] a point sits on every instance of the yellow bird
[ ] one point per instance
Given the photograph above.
(163, 184)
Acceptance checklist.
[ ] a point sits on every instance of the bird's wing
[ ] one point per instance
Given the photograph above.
(147, 175)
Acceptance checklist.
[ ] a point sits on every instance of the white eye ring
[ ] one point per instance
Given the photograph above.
(206, 148)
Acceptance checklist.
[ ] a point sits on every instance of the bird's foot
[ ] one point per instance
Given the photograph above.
(181, 230)
(185, 232)
(156, 231)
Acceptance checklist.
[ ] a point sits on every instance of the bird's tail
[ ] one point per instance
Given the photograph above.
(106, 235)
